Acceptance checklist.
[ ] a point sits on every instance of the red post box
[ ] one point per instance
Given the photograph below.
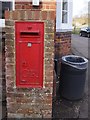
(29, 54)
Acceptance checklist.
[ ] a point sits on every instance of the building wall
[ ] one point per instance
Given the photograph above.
(62, 47)
(62, 44)
(44, 5)
(29, 102)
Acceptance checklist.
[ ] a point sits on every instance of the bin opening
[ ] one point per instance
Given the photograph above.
(75, 59)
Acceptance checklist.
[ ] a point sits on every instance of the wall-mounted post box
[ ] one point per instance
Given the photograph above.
(29, 54)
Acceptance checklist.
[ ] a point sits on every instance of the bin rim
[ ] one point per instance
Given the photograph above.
(74, 63)
(64, 59)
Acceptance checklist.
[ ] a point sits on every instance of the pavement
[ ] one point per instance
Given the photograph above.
(63, 108)
(80, 45)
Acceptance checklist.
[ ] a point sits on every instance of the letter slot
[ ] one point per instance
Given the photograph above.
(29, 33)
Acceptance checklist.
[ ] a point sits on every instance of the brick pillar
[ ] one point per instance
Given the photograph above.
(62, 44)
(29, 102)
(62, 47)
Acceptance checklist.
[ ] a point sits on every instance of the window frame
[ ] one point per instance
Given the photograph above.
(63, 27)
(2, 21)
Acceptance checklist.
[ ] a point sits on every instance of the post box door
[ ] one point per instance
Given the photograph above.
(29, 62)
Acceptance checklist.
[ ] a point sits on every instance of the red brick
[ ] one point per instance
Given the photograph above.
(44, 15)
(22, 15)
(9, 29)
(7, 14)
(23, 6)
(40, 6)
(49, 73)
(18, 6)
(47, 101)
(17, 3)
(52, 7)
(29, 14)
(9, 54)
(10, 85)
(14, 115)
(49, 79)
(25, 111)
(22, 2)
(15, 15)
(43, 7)
(47, 6)
(9, 48)
(36, 15)
(10, 66)
(9, 42)
(10, 89)
(23, 100)
(49, 84)
(12, 94)
(51, 15)
(48, 96)
(11, 78)
(28, 6)
(9, 23)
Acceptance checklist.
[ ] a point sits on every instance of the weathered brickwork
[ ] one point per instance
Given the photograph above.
(29, 102)
(44, 5)
(62, 44)
(34, 102)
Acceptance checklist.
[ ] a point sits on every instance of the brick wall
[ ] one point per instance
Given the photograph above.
(29, 102)
(44, 5)
(62, 44)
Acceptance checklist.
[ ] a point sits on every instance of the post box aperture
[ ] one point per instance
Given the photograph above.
(29, 54)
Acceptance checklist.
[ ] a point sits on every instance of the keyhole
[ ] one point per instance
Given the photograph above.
(29, 44)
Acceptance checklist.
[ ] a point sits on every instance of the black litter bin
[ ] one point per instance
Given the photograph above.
(72, 76)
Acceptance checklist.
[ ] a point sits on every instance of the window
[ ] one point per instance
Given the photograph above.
(5, 6)
(64, 15)
(64, 11)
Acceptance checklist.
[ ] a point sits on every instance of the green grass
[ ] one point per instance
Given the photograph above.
(76, 31)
